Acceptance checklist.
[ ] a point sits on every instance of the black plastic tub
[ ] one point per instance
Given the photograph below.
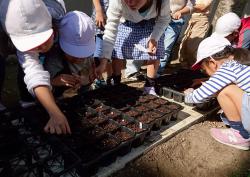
(166, 114)
(109, 126)
(141, 130)
(175, 108)
(109, 151)
(126, 143)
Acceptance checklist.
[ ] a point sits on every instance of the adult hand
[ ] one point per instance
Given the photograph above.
(67, 80)
(152, 46)
(176, 15)
(100, 19)
(57, 124)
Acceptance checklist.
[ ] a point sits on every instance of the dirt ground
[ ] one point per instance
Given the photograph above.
(192, 153)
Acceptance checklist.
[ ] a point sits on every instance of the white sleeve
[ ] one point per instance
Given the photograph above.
(33, 69)
(162, 21)
(114, 13)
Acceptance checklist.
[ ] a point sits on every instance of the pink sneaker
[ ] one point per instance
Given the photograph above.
(149, 90)
(230, 137)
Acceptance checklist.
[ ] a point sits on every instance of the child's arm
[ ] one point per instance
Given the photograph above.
(161, 24)
(202, 7)
(218, 81)
(185, 10)
(178, 14)
(114, 13)
(38, 84)
(57, 123)
(100, 18)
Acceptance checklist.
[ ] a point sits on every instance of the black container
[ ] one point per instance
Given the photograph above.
(141, 130)
(95, 118)
(166, 114)
(109, 153)
(123, 120)
(175, 108)
(130, 112)
(109, 126)
(126, 144)
(161, 101)
(172, 94)
(112, 113)
(142, 108)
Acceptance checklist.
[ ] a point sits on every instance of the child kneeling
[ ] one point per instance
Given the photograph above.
(230, 82)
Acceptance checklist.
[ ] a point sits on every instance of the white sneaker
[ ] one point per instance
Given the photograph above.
(2, 107)
(149, 91)
(26, 104)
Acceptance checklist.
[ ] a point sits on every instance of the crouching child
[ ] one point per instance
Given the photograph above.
(230, 82)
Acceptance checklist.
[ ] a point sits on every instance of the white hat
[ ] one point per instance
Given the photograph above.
(77, 34)
(227, 24)
(27, 22)
(209, 47)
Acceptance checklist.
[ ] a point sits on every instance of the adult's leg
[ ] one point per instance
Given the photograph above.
(198, 32)
(171, 34)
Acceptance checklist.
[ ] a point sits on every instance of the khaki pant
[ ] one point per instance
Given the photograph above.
(196, 31)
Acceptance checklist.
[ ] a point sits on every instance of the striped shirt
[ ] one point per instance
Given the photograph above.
(230, 72)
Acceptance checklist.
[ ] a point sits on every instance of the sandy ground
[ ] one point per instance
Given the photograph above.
(192, 153)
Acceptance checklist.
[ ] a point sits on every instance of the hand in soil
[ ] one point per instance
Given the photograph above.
(57, 124)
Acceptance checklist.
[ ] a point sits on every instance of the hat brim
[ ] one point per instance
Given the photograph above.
(78, 51)
(214, 34)
(26, 43)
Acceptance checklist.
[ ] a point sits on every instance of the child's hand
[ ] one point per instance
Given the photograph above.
(188, 91)
(152, 46)
(100, 19)
(57, 124)
(67, 80)
(198, 82)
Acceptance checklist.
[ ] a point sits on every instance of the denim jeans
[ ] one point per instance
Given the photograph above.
(172, 32)
(98, 45)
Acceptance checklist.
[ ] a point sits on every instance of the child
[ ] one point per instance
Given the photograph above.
(197, 29)
(142, 22)
(172, 32)
(236, 30)
(99, 17)
(29, 25)
(230, 82)
(70, 64)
